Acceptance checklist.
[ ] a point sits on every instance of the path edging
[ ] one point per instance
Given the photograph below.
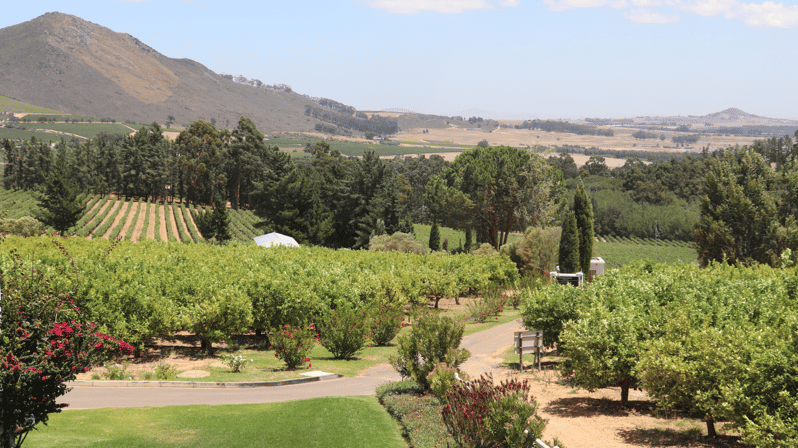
(201, 384)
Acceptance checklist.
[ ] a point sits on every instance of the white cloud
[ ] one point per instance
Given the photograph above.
(767, 14)
(643, 15)
(564, 5)
(442, 6)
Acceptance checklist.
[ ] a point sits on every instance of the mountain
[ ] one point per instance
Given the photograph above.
(69, 64)
(732, 113)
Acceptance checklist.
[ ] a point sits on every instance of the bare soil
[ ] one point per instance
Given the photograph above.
(129, 222)
(151, 223)
(140, 223)
(119, 216)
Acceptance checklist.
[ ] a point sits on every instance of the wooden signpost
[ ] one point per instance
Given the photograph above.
(528, 342)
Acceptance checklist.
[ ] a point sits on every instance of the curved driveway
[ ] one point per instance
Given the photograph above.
(484, 347)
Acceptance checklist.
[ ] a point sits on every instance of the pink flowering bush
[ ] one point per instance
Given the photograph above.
(386, 321)
(292, 344)
(43, 344)
(343, 331)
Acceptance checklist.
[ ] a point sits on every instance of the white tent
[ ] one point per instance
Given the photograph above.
(275, 239)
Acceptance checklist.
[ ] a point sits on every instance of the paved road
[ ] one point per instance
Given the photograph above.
(481, 345)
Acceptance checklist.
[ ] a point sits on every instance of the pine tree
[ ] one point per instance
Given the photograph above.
(60, 204)
(569, 245)
(434, 238)
(583, 210)
(220, 220)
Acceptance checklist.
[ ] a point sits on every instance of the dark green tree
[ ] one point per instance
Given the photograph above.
(583, 210)
(739, 221)
(435, 237)
(220, 220)
(60, 202)
(506, 189)
(569, 245)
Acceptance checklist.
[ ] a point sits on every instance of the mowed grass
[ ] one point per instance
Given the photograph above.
(616, 255)
(328, 422)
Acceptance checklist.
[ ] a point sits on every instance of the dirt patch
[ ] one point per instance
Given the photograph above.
(140, 222)
(579, 418)
(118, 219)
(152, 220)
(162, 223)
(133, 207)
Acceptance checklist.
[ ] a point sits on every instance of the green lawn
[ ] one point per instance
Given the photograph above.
(357, 421)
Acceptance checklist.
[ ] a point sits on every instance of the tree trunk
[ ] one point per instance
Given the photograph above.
(711, 427)
(625, 393)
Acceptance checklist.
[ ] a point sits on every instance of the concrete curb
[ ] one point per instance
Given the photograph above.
(202, 385)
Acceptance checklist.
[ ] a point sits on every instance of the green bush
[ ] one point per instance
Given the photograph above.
(434, 339)
(536, 253)
(441, 379)
(343, 331)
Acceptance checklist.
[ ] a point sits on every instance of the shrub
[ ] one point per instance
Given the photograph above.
(434, 339)
(400, 242)
(235, 362)
(117, 371)
(441, 379)
(343, 331)
(490, 304)
(386, 321)
(484, 249)
(165, 371)
(480, 414)
(292, 344)
(536, 253)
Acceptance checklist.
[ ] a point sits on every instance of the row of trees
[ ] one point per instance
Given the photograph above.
(716, 343)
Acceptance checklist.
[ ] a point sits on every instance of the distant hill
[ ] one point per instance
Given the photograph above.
(732, 113)
(68, 64)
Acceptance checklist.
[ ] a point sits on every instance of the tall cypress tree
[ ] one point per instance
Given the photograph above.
(220, 220)
(435, 237)
(569, 245)
(583, 210)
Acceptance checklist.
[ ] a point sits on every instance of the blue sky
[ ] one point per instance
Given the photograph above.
(492, 58)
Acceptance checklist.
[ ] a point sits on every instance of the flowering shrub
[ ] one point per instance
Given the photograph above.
(43, 344)
(386, 321)
(292, 344)
(235, 362)
(491, 304)
(343, 331)
(481, 414)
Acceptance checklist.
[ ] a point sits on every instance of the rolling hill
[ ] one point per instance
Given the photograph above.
(71, 65)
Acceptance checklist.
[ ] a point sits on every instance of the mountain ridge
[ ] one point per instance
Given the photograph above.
(67, 63)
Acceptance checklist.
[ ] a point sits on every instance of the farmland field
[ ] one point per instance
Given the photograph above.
(11, 105)
(617, 254)
(85, 130)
